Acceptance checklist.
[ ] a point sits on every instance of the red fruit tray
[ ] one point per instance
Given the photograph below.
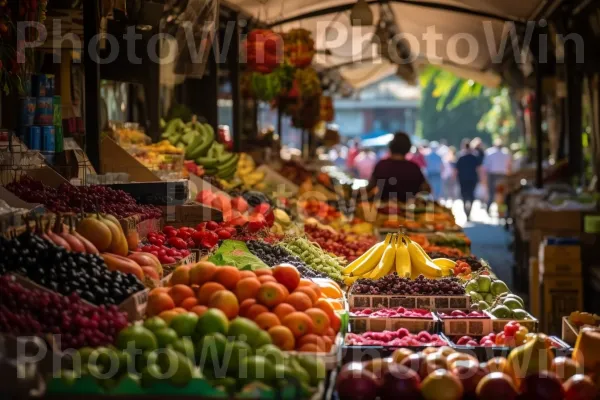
(464, 326)
(379, 323)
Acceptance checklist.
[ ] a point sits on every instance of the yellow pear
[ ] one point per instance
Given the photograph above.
(532, 357)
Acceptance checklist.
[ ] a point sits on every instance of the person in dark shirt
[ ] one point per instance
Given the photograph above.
(395, 177)
(467, 172)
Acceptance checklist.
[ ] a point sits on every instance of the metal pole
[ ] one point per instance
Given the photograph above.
(539, 139)
(236, 92)
(573, 104)
(91, 23)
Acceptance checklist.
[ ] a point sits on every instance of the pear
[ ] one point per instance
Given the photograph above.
(530, 358)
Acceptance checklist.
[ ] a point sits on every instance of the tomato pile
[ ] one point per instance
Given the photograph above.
(338, 243)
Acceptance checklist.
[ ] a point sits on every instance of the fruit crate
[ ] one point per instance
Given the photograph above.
(169, 268)
(395, 301)
(463, 326)
(134, 305)
(351, 353)
(498, 323)
(376, 324)
(569, 331)
(484, 353)
(331, 359)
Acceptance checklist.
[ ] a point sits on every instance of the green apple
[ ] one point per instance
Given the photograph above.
(155, 324)
(498, 287)
(165, 337)
(261, 339)
(138, 336)
(255, 368)
(150, 374)
(212, 321)
(184, 324)
(209, 351)
(244, 330)
(484, 282)
(271, 353)
(178, 369)
(314, 367)
(234, 353)
(184, 346)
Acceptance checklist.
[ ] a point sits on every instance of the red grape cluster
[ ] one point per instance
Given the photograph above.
(69, 198)
(36, 312)
(393, 284)
(339, 243)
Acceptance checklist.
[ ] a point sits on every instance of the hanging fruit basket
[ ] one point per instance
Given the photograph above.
(264, 51)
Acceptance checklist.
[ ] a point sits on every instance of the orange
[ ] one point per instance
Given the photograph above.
(159, 290)
(335, 323)
(325, 306)
(180, 310)
(264, 271)
(227, 276)
(247, 274)
(189, 303)
(286, 292)
(255, 310)
(245, 306)
(320, 320)
(225, 301)
(282, 337)
(287, 275)
(311, 338)
(299, 323)
(181, 276)
(181, 292)
(309, 292)
(202, 272)
(266, 278)
(270, 294)
(267, 320)
(300, 301)
(199, 310)
(311, 348)
(336, 304)
(247, 288)
(328, 343)
(167, 316)
(329, 288)
(283, 309)
(159, 302)
(330, 332)
(310, 284)
(207, 290)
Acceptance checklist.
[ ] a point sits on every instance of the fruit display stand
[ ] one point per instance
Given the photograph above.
(280, 183)
(134, 306)
(395, 301)
(114, 158)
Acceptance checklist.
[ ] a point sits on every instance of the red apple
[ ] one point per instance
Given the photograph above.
(399, 382)
(417, 363)
(544, 385)
(496, 386)
(580, 387)
(469, 373)
(354, 382)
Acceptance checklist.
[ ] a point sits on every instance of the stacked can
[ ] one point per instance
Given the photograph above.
(30, 134)
(43, 89)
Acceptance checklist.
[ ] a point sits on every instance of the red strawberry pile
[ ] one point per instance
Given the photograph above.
(401, 338)
(399, 312)
(462, 314)
(340, 244)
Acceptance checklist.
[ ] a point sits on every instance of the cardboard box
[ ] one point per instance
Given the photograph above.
(498, 323)
(422, 302)
(534, 287)
(114, 158)
(466, 326)
(561, 295)
(374, 324)
(555, 220)
(190, 215)
(569, 331)
(560, 256)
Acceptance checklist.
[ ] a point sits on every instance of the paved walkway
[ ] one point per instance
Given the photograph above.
(489, 239)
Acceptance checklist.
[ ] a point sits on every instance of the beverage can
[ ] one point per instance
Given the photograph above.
(57, 105)
(58, 139)
(48, 138)
(27, 106)
(44, 111)
(39, 85)
(33, 137)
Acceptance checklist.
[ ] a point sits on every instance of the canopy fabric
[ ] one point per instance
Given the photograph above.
(471, 57)
(374, 134)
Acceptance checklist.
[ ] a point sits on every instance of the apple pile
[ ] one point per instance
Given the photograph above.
(399, 312)
(462, 314)
(402, 337)
(235, 209)
(444, 373)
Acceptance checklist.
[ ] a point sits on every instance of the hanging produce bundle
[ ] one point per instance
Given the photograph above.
(299, 47)
(309, 83)
(327, 111)
(264, 51)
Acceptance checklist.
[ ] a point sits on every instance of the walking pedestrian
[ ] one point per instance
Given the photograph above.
(496, 165)
(467, 172)
(434, 168)
(448, 176)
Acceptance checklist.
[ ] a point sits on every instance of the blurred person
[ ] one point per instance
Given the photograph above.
(478, 148)
(416, 156)
(396, 177)
(353, 152)
(448, 177)
(434, 168)
(364, 163)
(496, 165)
(443, 148)
(467, 172)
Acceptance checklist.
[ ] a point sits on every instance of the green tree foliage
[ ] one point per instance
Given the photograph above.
(454, 109)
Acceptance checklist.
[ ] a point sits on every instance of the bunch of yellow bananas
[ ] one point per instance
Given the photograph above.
(400, 253)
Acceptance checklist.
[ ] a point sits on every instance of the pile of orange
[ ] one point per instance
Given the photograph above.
(293, 310)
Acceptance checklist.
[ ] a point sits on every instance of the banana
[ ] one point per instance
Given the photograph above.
(387, 261)
(349, 280)
(356, 263)
(446, 265)
(369, 263)
(403, 265)
(420, 263)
